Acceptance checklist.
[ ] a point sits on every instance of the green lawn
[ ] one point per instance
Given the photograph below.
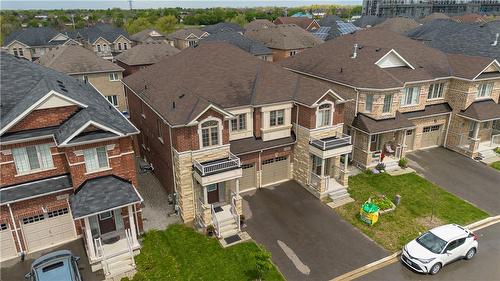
(495, 165)
(180, 253)
(413, 215)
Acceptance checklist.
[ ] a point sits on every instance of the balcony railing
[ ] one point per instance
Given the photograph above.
(218, 166)
(315, 181)
(331, 142)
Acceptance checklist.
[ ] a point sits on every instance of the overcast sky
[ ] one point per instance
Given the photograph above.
(141, 4)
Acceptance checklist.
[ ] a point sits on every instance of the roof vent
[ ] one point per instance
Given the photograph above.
(355, 51)
(145, 87)
(181, 96)
(173, 104)
(496, 40)
(377, 49)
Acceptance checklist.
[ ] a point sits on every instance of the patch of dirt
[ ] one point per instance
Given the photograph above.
(429, 222)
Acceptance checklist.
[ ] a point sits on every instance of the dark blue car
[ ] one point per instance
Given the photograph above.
(55, 266)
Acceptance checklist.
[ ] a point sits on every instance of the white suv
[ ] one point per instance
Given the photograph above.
(438, 247)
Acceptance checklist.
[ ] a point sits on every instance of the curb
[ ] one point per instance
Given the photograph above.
(394, 257)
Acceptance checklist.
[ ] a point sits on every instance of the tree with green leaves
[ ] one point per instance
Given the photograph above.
(239, 19)
(263, 262)
(138, 25)
(166, 24)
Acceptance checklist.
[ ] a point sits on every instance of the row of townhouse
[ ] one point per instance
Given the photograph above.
(67, 168)
(216, 121)
(31, 43)
(226, 122)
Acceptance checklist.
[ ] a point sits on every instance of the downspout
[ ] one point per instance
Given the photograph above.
(134, 209)
(260, 168)
(447, 129)
(357, 102)
(172, 156)
(15, 229)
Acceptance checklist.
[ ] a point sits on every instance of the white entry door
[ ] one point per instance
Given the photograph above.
(46, 230)
(7, 245)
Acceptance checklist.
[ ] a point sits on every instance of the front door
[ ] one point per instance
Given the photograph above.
(410, 137)
(213, 193)
(107, 222)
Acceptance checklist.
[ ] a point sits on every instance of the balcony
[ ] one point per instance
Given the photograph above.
(331, 146)
(217, 170)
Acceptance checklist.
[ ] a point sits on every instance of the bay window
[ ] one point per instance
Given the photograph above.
(210, 133)
(324, 115)
(410, 96)
(435, 91)
(484, 90)
(96, 158)
(277, 118)
(240, 123)
(32, 158)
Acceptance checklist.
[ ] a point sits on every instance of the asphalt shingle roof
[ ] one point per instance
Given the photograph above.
(337, 27)
(24, 83)
(258, 24)
(184, 33)
(373, 126)
(246, 44)
(302, 22)
(32, 36)
(449, 36)
(368, 21)
(223, 27)
(74, 59)
(144, 36)
(399, 25)
(482, 110)
(284, 37)
(144, 54)
(34, 189)
(102, 194)
(106, 31)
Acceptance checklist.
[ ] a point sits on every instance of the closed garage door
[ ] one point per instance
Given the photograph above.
(42, 231)
(275, 170)
(7, 245)
(247, 181)
(431, 136)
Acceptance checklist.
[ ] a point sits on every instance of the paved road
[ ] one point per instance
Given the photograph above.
(304, 235)
(462, 176)
(485, 266)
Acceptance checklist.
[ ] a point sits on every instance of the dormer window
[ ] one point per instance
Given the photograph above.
(484, 90)
(324, 115)
(210, 133)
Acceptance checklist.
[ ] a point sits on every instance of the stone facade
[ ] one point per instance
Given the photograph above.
(103, 84)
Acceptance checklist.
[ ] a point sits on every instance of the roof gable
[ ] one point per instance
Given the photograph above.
(90, 124)
(59, 37)
(393, 59)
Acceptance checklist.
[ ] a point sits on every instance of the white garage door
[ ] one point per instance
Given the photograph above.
(247, 180)
(7, 245)
(275, 170)
(431, 136)
(43, 231)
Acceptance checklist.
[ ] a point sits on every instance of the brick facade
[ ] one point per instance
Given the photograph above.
(43, 118)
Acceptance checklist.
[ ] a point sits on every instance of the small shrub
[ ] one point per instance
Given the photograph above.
(403, 163)
(210, 230)
(497, 150)
(263, 262)
(382, 202)
(380, 167)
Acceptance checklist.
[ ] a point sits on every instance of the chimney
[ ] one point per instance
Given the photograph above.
(355, 52)
(496, 40)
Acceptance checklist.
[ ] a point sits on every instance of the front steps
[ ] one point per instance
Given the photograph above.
(489, 156)
(339, 197)
(228, 225)
(391, 165)
(119, 266)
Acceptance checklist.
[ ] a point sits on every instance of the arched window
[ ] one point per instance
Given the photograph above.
(324, 115)
(210, 133)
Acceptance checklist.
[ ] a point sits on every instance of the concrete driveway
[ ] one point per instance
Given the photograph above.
(462, 176)
(308, 241)
(14, 270)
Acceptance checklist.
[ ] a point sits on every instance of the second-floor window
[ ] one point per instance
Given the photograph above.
(210, 133)
(113, 77)
(125, 46)
(191, 43)
(99, 48)
(293, 53)
(277, 118)
(410, 96)
(484, 90)
(387, 104)
(435, 91)
(240, 123)
(324, 115)
(113, 99)
(32, 158)
(96, 158)
(369, 103)
(120, 46)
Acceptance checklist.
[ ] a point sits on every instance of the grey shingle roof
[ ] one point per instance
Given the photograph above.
(74, 59)
(102, 194)
(106, 31)
(222, 27)
(368, 21)
(32, 36)
(246, 44)
(144, 54)
(34, 189)
(24, 83)
(449, 36)
(184, 33)
(144, 36)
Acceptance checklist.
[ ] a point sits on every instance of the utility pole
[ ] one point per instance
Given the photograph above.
(130, 4)
(73, 21)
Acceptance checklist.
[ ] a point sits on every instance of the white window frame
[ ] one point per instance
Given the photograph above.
(436, 91)
(369, 101)
(414, 97)
(93, 150)
(114, 76)
(390, 96)
(484, 90)
(191, 43)
(320, 111)
(99, 48)
(21, 52)
(125, 46)
(238, 121)
(276, 117)
(20, 155)
(293, 53)
(119, 46)
(210, 141)
(113, 99)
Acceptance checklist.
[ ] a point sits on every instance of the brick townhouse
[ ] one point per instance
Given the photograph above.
(408, 96)
(67, 168)
(216, 121)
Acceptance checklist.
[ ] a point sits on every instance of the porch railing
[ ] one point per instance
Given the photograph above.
(376, 156)
(215, 221)
(339, 141)
(234, 211)
(495, 140)
(231, 161)
(130, 243)
(315, 180)
(399, 151)
(100, 253)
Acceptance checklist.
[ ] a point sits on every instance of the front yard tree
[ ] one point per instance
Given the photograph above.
(263, 262)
